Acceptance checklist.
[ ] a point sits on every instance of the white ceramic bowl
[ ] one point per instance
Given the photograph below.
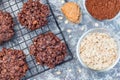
(95, 18)
(101, 30)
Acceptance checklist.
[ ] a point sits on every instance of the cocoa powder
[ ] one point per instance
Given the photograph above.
(103, 9)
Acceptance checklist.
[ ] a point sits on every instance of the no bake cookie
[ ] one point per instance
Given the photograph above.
(33, 14)
(12, 64)
(6, 26)
(48, 49)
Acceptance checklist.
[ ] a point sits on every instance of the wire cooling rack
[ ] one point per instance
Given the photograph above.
(23, 37)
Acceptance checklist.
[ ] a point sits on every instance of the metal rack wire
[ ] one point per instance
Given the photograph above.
(23, 37)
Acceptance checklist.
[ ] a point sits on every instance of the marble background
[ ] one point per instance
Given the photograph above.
(73, 70)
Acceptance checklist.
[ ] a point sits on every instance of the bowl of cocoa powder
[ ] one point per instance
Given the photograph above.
(103, 9)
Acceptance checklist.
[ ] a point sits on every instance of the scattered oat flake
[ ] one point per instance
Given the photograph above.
(69, 30)
(79, 70)
(62, 1)
(70, 36)
(58, 72)
(82, 28)
(66, 21)
(69, 70)
(60, 17)
(118, 74)
(96, 24)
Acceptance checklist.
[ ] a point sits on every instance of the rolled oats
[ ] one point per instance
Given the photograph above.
(98, 50)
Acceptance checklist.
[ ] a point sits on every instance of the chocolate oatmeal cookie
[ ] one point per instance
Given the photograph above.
(6, 26)
(48, 49)
(33, 14)
(12, 64)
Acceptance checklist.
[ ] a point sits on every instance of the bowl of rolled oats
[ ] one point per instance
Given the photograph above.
(98, 49)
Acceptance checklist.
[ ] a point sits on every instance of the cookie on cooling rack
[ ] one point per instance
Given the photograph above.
(33, 14)
(12, 64)
(48, 49)
(6, 26)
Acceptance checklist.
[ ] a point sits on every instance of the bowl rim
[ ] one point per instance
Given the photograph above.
(82, 37)
(84, 6)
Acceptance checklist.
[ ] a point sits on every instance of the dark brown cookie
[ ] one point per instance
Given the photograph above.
(48, 49)
(33, 14)
(6, 26)
(12, 64)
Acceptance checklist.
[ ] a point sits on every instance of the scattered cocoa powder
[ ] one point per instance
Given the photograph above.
(103, 9)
